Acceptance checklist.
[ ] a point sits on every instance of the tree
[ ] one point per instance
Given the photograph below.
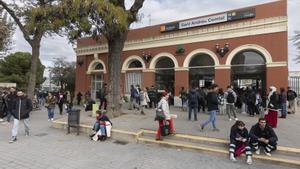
(296, 40)
(6, 31)
(109, 19)
(63, 73)
(35, 18)
(15, 68)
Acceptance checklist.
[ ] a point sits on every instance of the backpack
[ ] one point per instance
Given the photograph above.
(193, 98)
(230, 97)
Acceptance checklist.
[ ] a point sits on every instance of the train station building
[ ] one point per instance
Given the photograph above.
(241, 47)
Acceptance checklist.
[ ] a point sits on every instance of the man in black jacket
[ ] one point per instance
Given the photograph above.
(212, 106)
(261, 134)
(20, 111)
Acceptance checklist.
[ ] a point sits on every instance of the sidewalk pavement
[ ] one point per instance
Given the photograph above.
(132, 121)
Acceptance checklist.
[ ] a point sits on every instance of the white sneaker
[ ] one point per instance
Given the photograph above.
(230, 119)
(232, 158)
(52, 119)
(1, 120)
(249, 160)
(257, 151)
(236, 119)
(268, 154)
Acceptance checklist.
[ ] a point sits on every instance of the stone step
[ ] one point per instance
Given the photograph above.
(172, 142)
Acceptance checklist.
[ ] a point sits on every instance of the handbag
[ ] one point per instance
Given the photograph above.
(159, 114)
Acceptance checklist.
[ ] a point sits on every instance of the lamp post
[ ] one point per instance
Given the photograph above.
(222, 51)
(147, 56)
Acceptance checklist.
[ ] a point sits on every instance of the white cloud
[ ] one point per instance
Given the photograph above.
(166, 11)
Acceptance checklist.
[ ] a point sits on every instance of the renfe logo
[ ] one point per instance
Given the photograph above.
(203, 21)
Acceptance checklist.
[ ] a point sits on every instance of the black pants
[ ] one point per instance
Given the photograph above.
(60, 106)
(103, 102)
(251, 108)
(152, 101)
(255, 144)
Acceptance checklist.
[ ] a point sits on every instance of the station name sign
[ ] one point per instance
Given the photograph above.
(214, 19)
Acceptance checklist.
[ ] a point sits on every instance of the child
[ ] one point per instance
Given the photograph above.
(99, 127)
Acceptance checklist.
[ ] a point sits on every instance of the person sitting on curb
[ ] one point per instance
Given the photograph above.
(100, 130)
(239, 142)
(261, 134)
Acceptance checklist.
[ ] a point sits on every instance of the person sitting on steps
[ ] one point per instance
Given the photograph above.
(100, 125)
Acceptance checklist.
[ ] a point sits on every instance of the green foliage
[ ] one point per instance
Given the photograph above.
(63, 73)
(15, 68)
(6, 31)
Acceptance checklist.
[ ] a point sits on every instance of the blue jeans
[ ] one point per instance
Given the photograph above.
(103, 130)
(212, 119)
(283, 109)
(50, 113)
(195, 109)
(96, 126)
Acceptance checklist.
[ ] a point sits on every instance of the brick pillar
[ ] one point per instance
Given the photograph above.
(148, 79)
(222, 77)
(277, 76)
(181, 80)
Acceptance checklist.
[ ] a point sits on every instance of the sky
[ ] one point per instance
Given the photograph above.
(161, 11)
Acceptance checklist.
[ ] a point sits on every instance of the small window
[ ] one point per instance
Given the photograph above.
(135, 64)
(99, 66)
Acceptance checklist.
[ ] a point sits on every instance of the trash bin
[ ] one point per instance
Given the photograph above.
(74, 119)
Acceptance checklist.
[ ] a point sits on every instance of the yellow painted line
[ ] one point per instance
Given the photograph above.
(217, 140)
(184, 145)
(274, 159)
(124, 132)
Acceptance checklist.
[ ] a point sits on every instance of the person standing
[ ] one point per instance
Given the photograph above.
(183, 97)
(251, 100)
(212, 106)
(79, 95)
(3, 106)
(152, 96)
(164, 106)
(273, 106)
(193, 98)
(20, 111)
(11, 97)
(60, 102)
(230, 98)
(221, 101)
(50, 105)
(103, 97)
(283, 99)
(291, 96)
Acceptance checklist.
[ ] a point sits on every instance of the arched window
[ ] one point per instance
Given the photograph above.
(201, 70)
(248, 57)
(99, 66)
(135, 64)
(165, 62)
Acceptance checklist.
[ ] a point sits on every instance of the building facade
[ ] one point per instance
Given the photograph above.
(242, 47)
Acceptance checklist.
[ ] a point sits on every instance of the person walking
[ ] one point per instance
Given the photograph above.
(3, 106)
(78, 97)
(291, 96)
(212, 106)
(164, 106)
(11, 98)
(50, 105)
(20, 111)
(144, 99)
(193, 98)
(230, 99)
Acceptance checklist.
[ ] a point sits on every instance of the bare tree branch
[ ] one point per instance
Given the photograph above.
(18, 22)
(137, 5)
